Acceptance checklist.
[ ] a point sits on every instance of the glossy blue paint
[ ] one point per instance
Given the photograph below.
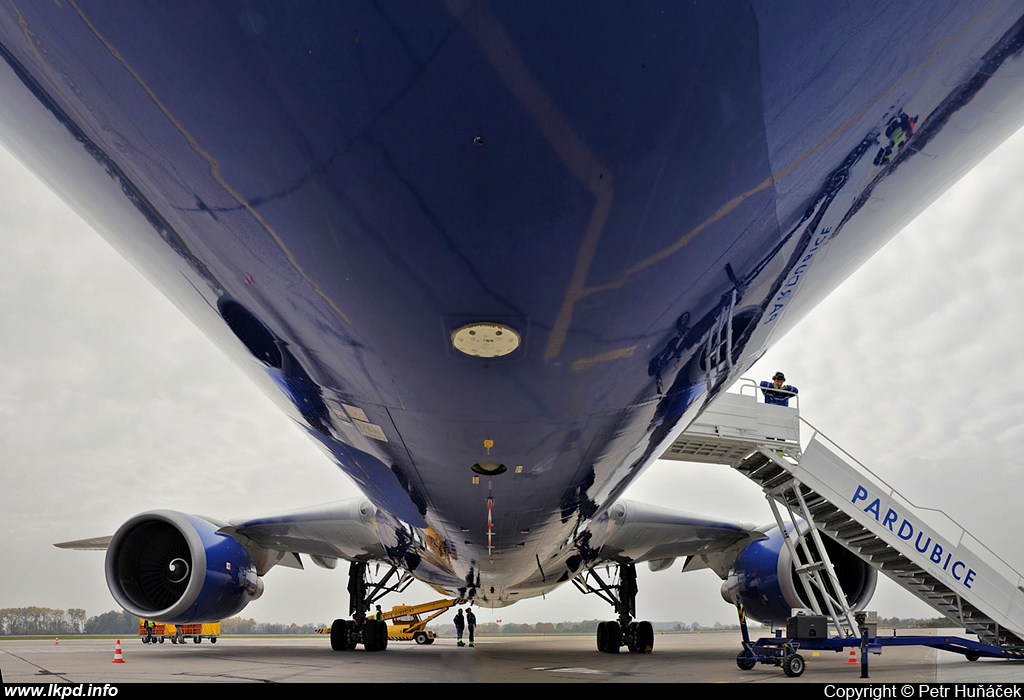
(649, 196)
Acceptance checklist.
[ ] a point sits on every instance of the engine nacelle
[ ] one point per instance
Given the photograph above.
(175, 567)
(765, 578)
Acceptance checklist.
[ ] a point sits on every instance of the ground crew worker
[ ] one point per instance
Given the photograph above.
(460, 624)
(776, 391)
(378, 615)
(470, 624)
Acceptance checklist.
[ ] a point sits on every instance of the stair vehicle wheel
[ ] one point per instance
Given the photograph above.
(794, 665)
(745, 662)
(972, 656)
(421, 638)
(339, 635)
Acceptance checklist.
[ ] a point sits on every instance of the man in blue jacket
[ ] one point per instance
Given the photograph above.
(776, 391)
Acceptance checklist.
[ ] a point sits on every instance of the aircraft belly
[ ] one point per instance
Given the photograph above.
(647, 200)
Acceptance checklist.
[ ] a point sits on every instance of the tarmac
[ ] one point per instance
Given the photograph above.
(677, 658)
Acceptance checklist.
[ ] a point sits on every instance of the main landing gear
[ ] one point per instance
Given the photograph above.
(636, 636)
(363, 593)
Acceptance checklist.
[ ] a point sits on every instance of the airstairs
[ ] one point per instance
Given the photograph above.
(823, 489)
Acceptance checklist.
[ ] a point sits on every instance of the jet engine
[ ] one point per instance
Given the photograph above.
(177, 568)
(764, 576)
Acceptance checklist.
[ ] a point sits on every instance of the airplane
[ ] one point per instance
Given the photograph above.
(491, 270)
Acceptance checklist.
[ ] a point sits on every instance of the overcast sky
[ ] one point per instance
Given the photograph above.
(112, 403)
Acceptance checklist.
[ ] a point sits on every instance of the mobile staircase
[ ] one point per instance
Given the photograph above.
(823, 489)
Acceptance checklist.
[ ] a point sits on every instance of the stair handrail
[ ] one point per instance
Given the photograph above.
(815, 431)
(755, 387)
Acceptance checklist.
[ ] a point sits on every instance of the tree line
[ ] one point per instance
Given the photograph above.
(33, 620)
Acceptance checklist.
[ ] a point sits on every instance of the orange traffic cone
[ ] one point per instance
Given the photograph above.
(118, 659)
(852, 661)
(56, 641)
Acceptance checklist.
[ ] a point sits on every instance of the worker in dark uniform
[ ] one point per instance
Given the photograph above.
(777, 391)
(470, 624)
(460, 625)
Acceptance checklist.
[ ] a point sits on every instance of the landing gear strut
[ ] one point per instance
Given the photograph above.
(636, 636)
(363, 592)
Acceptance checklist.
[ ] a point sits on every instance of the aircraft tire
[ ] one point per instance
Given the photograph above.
(369, 636)
(339, 635)
(644, 637)
(602, 637)
(375, 635)
(614, 637)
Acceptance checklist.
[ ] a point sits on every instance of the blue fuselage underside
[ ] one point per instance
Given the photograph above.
(650, 196)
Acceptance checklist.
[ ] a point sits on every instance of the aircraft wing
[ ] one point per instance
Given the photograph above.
(326, 533)
(341, 530)
(634, 532)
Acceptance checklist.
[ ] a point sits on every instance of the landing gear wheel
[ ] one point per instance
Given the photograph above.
(339, 635)
(375, 635)
(745, 662)
(421, 638)
(794, 665)
(602, 637)
(614, 637)
(644, 637)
